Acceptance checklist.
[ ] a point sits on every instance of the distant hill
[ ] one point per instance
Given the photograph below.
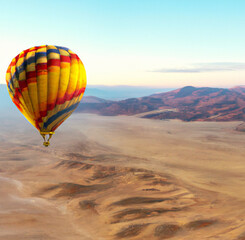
(188, 104)
(121, 92)
(92, 99)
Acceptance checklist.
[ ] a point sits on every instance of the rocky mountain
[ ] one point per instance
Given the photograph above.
(188, 104)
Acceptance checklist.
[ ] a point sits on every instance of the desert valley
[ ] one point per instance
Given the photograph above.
(148, 175)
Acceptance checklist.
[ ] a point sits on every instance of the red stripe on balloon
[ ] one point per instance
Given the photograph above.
(65, 59)
(26, 51)
(59, 100)
(73, 55)
(39, 120)
(21, 55)
(22, 84)
(83, 90)
(43, 113)
(51, 106)
(76, 93)
(17, 58)
(16, 99)
(31, 74)
(37, 125)
(69, 97)
(41, 66)
(53, 62)
(36, 48)
(32, 50)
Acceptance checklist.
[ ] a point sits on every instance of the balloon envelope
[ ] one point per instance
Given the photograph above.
(46, 83)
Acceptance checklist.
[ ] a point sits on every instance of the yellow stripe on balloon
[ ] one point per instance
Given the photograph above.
(53, 80)
(32, 86)
(23, 107)
(74, 71)
(84, 77)
(81, 83)
(42, 83)
(65, 68)
(24, 91)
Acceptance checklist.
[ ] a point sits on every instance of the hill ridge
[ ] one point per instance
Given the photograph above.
(188, 103)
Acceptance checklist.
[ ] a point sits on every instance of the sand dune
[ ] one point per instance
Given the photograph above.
(123, 178)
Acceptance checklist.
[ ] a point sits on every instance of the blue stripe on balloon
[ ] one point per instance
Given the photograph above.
(58, 114)
(28, 61)
(31, 60)
(52, 51)
(64, 48)
(10, 82)
(21, 68)
(40, 54)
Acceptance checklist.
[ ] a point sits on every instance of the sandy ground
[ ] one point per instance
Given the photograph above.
(122, 178)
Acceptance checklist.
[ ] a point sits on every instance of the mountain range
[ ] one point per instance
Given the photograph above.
(187, 104)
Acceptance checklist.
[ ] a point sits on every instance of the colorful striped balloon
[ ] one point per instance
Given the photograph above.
(46, 83)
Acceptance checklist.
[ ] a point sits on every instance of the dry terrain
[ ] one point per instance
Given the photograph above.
(122, 178)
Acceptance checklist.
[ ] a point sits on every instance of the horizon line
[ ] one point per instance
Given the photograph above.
(157, 87)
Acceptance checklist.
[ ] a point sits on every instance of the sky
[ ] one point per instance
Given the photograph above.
(160, 43)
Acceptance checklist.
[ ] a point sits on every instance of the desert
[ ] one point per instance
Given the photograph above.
(123, 177)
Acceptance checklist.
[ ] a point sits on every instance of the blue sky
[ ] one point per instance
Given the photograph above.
(167, 43)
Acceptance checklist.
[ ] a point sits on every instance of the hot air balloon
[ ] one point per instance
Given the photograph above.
(46, 83)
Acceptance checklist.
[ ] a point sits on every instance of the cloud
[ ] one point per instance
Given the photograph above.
(205, 67)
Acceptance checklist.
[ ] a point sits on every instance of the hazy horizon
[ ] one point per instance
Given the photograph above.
(157, 86)
(116, 92)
